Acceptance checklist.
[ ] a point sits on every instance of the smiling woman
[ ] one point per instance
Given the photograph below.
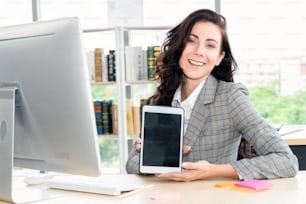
(195, 71)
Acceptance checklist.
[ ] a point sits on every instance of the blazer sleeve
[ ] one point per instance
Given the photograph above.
(275, 158)
(132, 164)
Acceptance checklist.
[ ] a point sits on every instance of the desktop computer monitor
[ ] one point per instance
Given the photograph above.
(46, 109)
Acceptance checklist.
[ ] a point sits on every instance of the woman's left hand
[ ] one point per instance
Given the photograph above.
(191, 171)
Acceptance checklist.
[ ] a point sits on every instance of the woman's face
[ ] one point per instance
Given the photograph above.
(202, 51)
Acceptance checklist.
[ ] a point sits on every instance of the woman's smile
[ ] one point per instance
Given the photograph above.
(196, 63)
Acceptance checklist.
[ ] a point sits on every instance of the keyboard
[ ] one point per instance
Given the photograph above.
(95, 185)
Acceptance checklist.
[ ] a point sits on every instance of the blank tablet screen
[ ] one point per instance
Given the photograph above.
(161, 142)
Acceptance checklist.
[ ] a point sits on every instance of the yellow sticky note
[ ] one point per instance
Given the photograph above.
(242, 189)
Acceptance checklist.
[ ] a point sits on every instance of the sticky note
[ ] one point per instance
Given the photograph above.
(165, 196)
(225, 184)
(254, 184)
(243, 189)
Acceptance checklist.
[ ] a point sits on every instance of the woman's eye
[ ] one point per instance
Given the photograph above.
(211, 46)
(190, 40)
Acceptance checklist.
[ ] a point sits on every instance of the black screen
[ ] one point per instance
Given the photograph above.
(161, 143)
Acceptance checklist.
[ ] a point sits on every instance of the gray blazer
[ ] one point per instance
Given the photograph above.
(221, 116)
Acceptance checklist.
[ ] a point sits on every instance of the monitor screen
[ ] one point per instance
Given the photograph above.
(52, 124)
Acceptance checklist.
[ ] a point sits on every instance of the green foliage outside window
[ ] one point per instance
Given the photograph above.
(109, 152)
(279, 109)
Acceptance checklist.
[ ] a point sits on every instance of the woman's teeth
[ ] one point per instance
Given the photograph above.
(196, 63)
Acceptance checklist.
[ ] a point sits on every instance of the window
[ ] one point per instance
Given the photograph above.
(92, 13)
(15, 12)
(267, 38)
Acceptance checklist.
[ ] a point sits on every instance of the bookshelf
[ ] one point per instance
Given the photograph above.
(117, 39)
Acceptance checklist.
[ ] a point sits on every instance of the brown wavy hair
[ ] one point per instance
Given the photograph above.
(168, 71)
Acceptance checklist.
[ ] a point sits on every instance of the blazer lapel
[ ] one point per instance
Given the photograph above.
(200, 112)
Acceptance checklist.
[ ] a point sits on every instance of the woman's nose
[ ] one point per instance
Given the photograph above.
(200, 50)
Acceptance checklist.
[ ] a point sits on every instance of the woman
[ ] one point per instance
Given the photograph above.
(195, 71)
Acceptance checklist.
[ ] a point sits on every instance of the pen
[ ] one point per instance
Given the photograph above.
(278, 128)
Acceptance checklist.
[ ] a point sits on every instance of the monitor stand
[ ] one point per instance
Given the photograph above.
(8, 192)
(7, 120)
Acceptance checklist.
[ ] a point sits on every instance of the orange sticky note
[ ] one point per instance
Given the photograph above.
(225, 184)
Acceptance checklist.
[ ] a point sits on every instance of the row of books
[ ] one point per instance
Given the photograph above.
(102, 66)
(106, 114)
(133, 116)
(139, 64)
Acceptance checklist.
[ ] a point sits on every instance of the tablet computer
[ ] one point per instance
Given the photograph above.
(162, 129)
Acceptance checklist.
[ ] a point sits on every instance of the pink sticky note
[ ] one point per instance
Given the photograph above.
(254, 184)
(165, 196)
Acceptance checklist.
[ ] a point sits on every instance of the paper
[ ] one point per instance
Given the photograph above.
(225, 184)
(254, 184)
(165, 196)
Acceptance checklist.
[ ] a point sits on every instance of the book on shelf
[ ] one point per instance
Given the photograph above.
(144, 65)
(128, 61)
(98, 64)
(111, 65)
(104, 67)
(133, 118)
(98, 116)
(152, 53)
(133, 63)
(143, 102)
(140, 69)
(129, 117)
(136, 119)
(107, 116)
(115, 118)
(156, 51)
(91, 65)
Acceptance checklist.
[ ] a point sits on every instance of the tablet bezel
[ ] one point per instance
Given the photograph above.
(161, 110)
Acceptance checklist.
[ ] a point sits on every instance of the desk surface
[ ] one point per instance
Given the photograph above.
(287, 190)
(294, 135)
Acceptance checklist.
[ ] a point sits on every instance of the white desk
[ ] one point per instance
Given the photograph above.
(297, 137)
(287, 190)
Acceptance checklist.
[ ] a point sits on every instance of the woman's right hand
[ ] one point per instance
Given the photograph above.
(186, 149)
(138, 144)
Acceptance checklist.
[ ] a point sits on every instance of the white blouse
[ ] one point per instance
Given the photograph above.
(188, 103)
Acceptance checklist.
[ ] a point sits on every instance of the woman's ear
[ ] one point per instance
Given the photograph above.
(221, 56)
